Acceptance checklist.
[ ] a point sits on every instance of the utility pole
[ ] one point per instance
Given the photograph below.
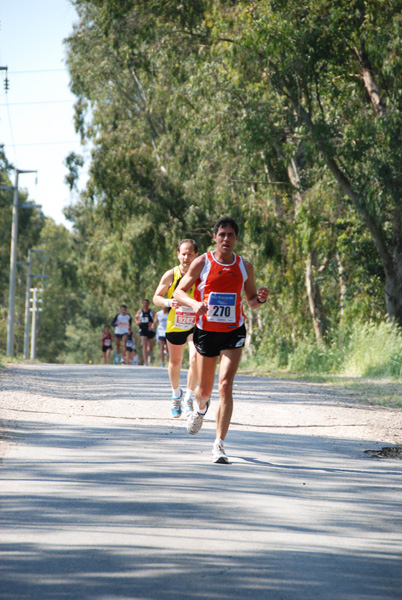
(27, 300)
(6, 79)
(13, 263)
(35, 300)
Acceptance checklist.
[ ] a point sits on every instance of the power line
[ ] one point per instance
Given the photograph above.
(38, 102)
(43, 143)
(37, 71)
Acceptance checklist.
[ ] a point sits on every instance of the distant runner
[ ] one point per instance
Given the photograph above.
(121, 322)
(161, 320)
(106, 340)
(131, 358)
(179, 329)
(145, 321)
(220, 278)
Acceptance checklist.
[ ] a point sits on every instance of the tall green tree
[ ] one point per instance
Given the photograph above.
(333, 69)
(196, 109)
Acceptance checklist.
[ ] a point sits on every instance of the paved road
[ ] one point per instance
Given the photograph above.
(105, 497)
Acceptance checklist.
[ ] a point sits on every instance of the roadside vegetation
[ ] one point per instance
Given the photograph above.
(286, 116)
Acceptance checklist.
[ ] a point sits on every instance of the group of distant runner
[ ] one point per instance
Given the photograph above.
(151, 325)
(201, 305)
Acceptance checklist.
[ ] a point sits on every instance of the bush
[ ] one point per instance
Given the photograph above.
(375, 351)
(365, 350)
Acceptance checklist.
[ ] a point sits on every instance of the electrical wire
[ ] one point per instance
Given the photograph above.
(38, 102)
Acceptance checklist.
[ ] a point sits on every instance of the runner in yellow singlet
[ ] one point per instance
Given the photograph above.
(179, 328)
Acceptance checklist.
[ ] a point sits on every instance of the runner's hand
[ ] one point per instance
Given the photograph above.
(200, 308)
(262, 293)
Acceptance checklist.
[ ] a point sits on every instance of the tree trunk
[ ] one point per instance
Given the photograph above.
(391, 259)
(316, 306)
(393, 298)
(342, 286)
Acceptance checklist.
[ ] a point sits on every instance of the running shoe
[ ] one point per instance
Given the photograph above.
(176, 406)
(219, 455)
(194, 421)
(188, 406)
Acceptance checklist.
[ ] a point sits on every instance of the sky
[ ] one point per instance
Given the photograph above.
(36, 114)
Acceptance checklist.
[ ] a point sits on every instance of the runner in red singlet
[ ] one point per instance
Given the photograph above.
(106, 339)
(221, 277)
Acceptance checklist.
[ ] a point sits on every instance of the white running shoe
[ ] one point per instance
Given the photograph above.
(219, 455)
(194, 421)
(188, 406)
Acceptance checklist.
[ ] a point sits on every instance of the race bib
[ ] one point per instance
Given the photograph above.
(184, 318)
(107, 342)
(221, 308)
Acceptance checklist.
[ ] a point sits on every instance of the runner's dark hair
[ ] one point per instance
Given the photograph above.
(227, 222)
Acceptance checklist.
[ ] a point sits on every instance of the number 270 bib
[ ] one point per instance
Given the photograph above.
(221, 308)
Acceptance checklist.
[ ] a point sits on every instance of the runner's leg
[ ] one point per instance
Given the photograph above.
(162, 350)
(124, 340)
(192, 369)
(230, 360)
(151, 342)
(206, 366)
(144, 342)
(175, 360)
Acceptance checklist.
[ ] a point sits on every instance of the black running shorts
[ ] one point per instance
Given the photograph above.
(211, 343)
(179, 338)
(148, 333)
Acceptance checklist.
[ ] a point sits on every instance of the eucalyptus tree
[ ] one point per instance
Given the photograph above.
(334, 71)
(126, 65)
(270, 111)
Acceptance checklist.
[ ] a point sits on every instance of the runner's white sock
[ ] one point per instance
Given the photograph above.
(218, 442)
(189, 394)
(203, 411)
(176, 393)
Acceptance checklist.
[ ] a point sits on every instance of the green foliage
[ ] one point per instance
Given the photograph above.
(367, 350)
(195, 110)
(30, 224)
(81, 342)
(259, 110)
(375, 351)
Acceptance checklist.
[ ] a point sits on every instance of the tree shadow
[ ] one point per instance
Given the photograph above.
(138, 511)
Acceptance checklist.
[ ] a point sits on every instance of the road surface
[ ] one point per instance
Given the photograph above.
(105, 497)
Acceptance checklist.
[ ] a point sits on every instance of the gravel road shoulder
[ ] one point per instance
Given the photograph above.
(33, 391)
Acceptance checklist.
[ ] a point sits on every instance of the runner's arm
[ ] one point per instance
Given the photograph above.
(254, 297)
(187, 281)
(156, 319)
(159, 296)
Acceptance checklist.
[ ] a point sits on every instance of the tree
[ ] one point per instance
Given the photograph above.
(197, 109)
(334, 72)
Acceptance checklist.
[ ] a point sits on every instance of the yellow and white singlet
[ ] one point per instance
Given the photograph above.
(182, 318)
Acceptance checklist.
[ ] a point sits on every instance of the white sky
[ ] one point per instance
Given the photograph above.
(36, 115)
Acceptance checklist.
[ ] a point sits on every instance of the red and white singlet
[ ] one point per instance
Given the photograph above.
(220, 286)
